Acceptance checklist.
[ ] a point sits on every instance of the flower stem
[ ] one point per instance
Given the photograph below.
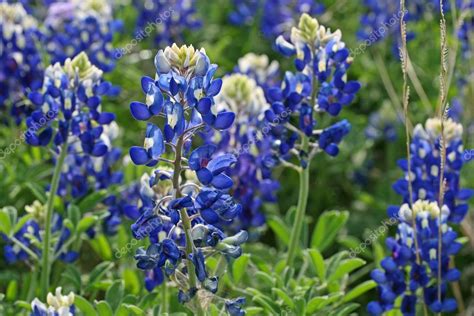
(164, 298)
(300, 210)
(46, 262)
(186, 222)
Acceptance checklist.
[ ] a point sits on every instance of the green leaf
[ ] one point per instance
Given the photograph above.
(132, 282)
(328, 226)
(85, 223)
(318, 263)
(346, 267)
(319, 302)
(101, 246)
(346, 309)
(38, 191)
(265, 305)
(98, 272)
(84, 306)
(359, 290)
(265, 278)
(21, 222)
(12, 290)
(283, 296)
(23, 304)
(134, 309)
(90, 201)
(114, 294)
(73, 214)
(104, 309)
(5, 222)
(280, 229)
(251, 311)
(239, 267)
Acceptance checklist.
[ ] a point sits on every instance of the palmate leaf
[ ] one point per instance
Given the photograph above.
(359, 290)
(328, 226)
(347, 266)
(239, 267)
(84, 306)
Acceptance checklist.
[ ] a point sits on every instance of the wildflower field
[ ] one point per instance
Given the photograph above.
(236, 157)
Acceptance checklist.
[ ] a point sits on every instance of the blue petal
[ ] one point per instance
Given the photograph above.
(222, 182)
(214, 88)
(139, 155)
(209, 216)
(221, 163)
(224, 120)
(147, 83)
(204, 176)
(204, 105)
(140, 111)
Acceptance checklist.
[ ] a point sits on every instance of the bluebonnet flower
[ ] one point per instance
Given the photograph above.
(21, 68)
(68, 107)
(121, 206)
(383, 124)
(258, 67)
(80, 169)
(425, 167)
(415, 257)
(184, 201)
(77, 26)
(167, 19)
(57, 304)
(30, 235)
(318, 86)
(252, 181)
(414, 260)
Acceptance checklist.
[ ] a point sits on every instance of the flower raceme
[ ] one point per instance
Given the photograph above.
(72, 94)
(319, 86)
(185, 204)
(425, 167)
(402, 274)
(416, 262)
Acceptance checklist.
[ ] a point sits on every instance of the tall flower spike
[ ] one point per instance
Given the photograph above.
(183, 214)
(318, 86)
(403, 274)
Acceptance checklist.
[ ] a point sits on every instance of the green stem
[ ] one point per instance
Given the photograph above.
(186, 223)
(46, 262)
(300, 209)
(164, 298)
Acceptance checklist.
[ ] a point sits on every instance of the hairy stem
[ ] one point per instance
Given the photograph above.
(46, 262)
(186, 221)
